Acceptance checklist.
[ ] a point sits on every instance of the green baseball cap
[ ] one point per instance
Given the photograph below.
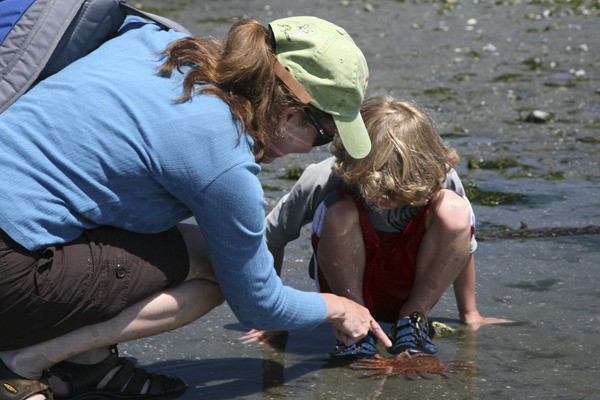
(324, 59)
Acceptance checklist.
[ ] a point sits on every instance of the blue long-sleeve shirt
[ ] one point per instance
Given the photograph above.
(103, 143)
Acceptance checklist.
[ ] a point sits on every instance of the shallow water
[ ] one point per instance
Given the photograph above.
(469, 63)
(548, 286)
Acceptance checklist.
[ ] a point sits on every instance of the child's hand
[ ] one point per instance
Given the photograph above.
(275, 340)
(476, 321)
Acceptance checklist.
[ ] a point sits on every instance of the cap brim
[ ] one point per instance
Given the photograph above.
(354, 135)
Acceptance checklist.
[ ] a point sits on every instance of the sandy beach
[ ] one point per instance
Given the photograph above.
(515, 87)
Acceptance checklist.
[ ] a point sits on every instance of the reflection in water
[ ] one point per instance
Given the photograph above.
(273, 347)
(337, 378)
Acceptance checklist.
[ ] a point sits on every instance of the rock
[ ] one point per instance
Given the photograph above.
(538, 117)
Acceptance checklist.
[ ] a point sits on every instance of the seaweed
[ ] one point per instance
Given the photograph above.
(491, 198)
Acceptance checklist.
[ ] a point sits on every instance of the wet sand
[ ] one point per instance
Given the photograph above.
(481, 68)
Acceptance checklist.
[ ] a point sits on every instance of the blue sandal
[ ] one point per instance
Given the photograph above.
(412, 334)
(361, 349)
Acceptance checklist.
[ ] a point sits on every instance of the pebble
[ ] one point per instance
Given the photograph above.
(580, 73)
(538, 117)
(490, 48)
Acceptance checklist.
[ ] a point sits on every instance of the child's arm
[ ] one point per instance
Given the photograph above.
(278, 254)
(464, 291)
(297, 208)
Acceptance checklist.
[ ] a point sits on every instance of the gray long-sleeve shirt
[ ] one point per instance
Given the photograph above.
(298, 207)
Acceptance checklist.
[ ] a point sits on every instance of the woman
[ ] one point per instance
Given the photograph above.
(104, 159)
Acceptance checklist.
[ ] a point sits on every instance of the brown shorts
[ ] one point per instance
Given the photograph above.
(47, 293)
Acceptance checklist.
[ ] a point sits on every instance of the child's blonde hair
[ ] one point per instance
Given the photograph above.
(408, 161)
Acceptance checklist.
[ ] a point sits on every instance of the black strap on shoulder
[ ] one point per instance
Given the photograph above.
(50, 34)
(29, 45)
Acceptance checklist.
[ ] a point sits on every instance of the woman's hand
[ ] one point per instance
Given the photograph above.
(351, 321)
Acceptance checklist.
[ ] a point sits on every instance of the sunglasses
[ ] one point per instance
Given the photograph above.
(323, 137)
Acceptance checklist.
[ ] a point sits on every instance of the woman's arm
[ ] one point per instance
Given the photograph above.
(351, 322)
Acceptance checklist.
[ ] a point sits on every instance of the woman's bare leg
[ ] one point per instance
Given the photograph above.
(160, 313)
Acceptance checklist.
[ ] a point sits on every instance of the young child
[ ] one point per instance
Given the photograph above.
(390, 231)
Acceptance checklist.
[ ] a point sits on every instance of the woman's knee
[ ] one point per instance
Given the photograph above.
(188, 301)
(200, 266)
(207, 292)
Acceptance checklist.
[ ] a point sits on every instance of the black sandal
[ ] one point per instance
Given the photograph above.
(15, 387)
(127, 383)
